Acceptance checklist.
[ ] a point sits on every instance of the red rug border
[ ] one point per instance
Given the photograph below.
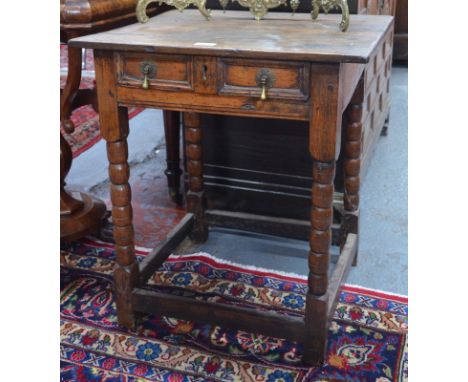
(347, 288)
(87, 146)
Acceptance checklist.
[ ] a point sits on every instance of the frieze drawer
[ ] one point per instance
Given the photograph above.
(276, 80)
(155, 71)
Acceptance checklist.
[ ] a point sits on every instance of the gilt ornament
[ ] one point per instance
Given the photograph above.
(258, 8)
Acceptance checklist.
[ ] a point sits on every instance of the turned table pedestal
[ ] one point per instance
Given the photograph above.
(281, 67)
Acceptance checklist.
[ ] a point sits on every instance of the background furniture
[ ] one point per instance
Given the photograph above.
(79, 18)
(81, 214)
(400, 49)
(321, 84)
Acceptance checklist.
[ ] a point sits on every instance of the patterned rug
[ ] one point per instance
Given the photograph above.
(86, 120)
(367, 338)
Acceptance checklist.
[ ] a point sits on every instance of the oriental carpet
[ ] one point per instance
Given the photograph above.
(367, 338)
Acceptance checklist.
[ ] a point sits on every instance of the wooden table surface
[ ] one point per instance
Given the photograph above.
(235, 33)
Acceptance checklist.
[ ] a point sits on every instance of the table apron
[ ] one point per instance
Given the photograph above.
(213, 104)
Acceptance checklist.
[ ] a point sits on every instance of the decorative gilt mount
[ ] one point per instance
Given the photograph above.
(259, 8)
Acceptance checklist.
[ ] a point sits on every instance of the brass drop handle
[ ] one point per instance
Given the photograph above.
(148, 69)
(265, 79)
(263, 84)
(145, 84)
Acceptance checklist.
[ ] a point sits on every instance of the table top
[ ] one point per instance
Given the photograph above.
(278, 36)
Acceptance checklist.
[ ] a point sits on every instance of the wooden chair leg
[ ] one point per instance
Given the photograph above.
(316, 313)
(173, 171)
(195, 195)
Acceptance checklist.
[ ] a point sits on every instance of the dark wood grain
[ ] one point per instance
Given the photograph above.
(173, 171)
(400, 49)
(89, 16)
(291, 228)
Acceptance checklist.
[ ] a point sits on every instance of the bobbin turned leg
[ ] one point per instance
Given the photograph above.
(352, 166)
(195, 195)
(324, 147)
(316, 319)
(126, 274)
(114, 129)
(172, 135)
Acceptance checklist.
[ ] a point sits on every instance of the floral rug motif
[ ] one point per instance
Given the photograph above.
(367, 339)
(85, 119)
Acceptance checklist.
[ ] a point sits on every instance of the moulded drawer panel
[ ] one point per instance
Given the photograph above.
(170, 72)
(240, 77)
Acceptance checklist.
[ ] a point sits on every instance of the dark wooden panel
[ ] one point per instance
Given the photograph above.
(276, 226)
(400, 50)
(90, 16)
(246, 171)
(355, 6)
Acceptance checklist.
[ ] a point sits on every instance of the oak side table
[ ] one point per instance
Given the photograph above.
(281, 67)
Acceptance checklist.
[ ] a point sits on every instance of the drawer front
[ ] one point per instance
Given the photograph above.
(225, 86)
(288, 81)
(165, 72)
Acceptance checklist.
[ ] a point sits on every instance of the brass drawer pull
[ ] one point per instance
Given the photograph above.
(265, 79)
(148, 70)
